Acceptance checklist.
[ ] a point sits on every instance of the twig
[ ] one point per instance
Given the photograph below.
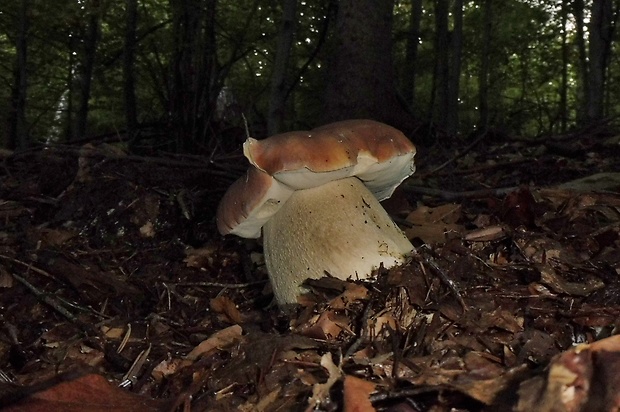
(459, 155)
(444, 278)
(360, 339)
(482, 168)
(27, 265)
(46, 298)
(222, 285)
(450, 195)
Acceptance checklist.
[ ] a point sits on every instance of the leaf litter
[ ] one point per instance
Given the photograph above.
(117, 292)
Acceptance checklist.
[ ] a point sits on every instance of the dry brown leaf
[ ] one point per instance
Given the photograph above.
(200, 258)
(357, 394)
(219, 340)
(89, 393)
(225, 306)
(433, 224)
(581, 379)
(351, 293)
(168, 367)
(327, 326)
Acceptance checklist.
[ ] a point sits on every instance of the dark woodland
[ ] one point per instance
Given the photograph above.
(124, 127)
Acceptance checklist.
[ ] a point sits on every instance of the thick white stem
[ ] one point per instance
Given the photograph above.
(338, 228)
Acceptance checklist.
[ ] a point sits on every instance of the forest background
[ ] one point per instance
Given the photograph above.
(188, 75)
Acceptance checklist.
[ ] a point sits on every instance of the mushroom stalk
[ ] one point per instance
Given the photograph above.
(339, 228)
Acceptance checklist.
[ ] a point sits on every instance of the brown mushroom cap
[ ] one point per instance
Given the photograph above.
(249, 203)
(378, 154)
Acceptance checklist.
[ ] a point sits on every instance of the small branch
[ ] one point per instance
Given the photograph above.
(459, 155)
(482, 168)
(450, 195)
(223, 285)
(46, 298)
(444, 278)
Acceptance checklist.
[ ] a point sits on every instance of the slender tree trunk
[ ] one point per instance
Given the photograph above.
(411, 53)
(277, 98)
(129, 79)
(91, 40)
(583, 89)
(18, 133)
(452, 113)
(361, 81)
(440, 104)
(565, 63)
(485, 64)
(191, 98)
(600, 30)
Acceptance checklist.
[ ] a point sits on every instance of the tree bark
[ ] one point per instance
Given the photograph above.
(278, 93)
(91, 40)
(129, 79)
(565, 63)
(18, 133)
(191, 96)
(440, 104)
(452, 112)
(583, 89)
(361, 73)
(601, 30)
(485, 66)
(411, 54)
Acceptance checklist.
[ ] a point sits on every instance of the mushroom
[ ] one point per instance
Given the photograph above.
(315, 195)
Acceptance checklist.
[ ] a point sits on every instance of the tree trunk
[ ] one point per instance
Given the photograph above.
(583, 89)
(18, 133)
(440, 104)
(129, 79)
(565, 63)
(485, 66)
(411, 54)
(277, 98)
(452, 112)
(91, 40)
(600, 38)
(69, 120)
(361, 72)
(191, 98)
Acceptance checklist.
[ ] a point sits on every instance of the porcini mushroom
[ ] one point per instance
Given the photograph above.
(315, 195)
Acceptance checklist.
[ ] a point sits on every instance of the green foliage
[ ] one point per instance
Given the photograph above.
(525, 79)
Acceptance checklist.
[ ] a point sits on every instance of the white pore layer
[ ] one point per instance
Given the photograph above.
(339, 228)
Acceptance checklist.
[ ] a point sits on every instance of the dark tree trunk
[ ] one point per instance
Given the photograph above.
(361, 73)
(583, 89)
(69, 122)
(600, 37)
(411, 53)
(91, 40)
(440, 104)
(452, 107)
(129, 79)
(565, 63)
(18, 133)
(191, 96)
(279, 88)
(485, 63)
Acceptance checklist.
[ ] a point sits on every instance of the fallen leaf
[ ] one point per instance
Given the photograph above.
(88, 393)
(225, 306)
(219, 340)
(581, 379)
(357, 394)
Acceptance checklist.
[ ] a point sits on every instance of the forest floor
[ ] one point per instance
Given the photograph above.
(117, 292)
